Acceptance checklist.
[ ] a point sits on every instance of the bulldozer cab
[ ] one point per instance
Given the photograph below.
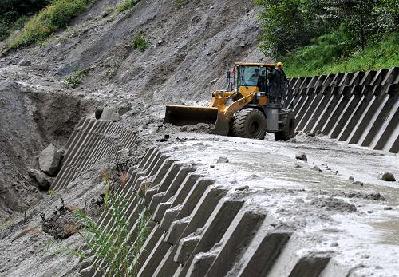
(252, 77)
(257, 77)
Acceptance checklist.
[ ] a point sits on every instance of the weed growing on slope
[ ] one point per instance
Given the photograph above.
(140, 42)
(55, 16)
(126, 5)
(110, 245)
(181, 3)
(76, 78)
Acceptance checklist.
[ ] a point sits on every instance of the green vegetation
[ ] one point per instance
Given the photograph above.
(121, 257)
(319, 37)
(76, 78)
(181, 3)
(55, 16)
(324, 57)
(14, 14)
(126, 5)
(140, 42)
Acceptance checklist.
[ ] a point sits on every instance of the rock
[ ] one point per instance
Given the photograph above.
(351, 178)
(110, 114)
(212, 166)
(43, 183)
(301, 157)
(244, 188)
(222, 160)
(164, 139)
(98, 113)
(24, 62)
(332, 203)
(49, 160)
(316, 168)
(334, 244)
(388, 176)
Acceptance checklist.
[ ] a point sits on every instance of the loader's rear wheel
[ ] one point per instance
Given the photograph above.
(249, 123)
(288, 131)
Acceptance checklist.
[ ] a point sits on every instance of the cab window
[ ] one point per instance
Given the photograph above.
(249, 75)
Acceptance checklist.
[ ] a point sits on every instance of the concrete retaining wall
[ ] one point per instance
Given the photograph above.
(91, 141)
(198, 228)
(359, 108)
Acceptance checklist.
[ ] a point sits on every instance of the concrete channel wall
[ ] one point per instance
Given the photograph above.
(198, 228)
(91, 141)
(359, 108)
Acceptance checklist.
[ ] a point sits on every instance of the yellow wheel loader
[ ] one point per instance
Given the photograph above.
(251, 106)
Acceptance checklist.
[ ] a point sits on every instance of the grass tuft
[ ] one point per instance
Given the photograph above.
(140, 42)
(76, 78)
(111, 245)
(126, 5)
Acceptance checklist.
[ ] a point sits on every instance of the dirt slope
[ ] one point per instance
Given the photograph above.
(191, 46)
(29, 122)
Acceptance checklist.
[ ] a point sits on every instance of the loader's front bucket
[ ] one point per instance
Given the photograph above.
(190, 115)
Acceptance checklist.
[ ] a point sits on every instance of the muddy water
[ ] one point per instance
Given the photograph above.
(389, 230)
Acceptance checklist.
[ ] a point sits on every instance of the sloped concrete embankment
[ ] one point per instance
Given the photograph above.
(91, 142)
(359, 108)
(198, 228)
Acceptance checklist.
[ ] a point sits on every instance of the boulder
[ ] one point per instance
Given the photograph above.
(387, 176)
(301, 157)
(24, 62)
(222, 160)
(43, 182)
(110, 114)
(50, 160)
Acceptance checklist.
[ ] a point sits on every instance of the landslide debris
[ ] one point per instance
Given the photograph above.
(62, 223)
(334, 204)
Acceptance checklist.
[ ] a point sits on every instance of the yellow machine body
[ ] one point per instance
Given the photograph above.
(224, 104)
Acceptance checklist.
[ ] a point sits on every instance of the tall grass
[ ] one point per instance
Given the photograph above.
(52, 18)
(110, 245)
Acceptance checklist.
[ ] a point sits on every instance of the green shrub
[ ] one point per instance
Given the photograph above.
(335, 57)
(55, 16)
(76, 78)
(140, 43)
(126, 5)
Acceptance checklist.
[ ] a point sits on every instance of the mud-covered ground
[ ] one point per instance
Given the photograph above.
(334, 201)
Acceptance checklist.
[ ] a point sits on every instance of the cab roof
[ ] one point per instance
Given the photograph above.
(255, 64)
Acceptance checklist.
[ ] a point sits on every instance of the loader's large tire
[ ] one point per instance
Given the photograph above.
(249, 123)
(288, 131)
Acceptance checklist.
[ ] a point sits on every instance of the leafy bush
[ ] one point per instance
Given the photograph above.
(289, 24)
(55, 16)
(140, 43)
(315, 37)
